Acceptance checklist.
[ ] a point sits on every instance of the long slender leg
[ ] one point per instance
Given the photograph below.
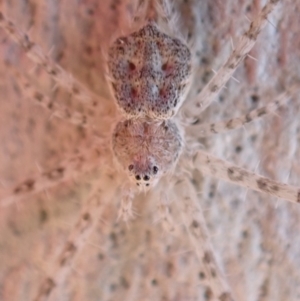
(203, 130)
(245, 44)
(226, 171)
(62, 265)
(211, 275)
(67, 170)
(36, 54)
(55, 108)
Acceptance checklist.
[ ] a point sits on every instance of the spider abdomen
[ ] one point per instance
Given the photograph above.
(149, 71)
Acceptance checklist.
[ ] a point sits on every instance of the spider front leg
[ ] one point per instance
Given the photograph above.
(36, 54)
(55, 108)
(224, 170)
(203, 130)
(83, 162)
(63, 263)
(243, 47)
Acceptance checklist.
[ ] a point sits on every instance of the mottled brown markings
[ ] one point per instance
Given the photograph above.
(55, 174)
(86, 216)
(28, 185)
(212, 128)
(235, 174)
(207, 257)
(195, 224)
(68, 252)
(201, 275)
(214, 88)
(208, 294)
(124, 282)
(261, 112)
(38, 96)
(46, 288)
(248, 117)
(230, 124)
(226, 297)
(267, 186)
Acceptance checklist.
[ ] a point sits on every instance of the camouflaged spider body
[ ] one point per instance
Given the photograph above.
(150, 72)
(147, 150)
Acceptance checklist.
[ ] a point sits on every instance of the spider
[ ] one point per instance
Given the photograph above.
(209, 275)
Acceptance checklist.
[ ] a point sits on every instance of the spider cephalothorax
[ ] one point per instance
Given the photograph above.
(147, 150)
(150, 72)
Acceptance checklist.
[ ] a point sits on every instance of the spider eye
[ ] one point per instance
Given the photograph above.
(146, 178)
(137, 177)
(155, 169)
(130, 167)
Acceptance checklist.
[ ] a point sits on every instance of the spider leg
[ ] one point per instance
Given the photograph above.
(203, 130)
(226, 171)
(211, 275)
(36, 54)
(55, 108)
(245, 44)
(62, 265)
(66, 170)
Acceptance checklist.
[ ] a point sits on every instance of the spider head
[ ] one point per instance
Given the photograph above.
(144, 172)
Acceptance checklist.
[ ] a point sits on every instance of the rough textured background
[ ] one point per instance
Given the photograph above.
(256, 238)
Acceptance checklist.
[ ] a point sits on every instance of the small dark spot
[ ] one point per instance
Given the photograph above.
(131, 66)
(47, 287)
(213, 273)
(208, 294)
(235, 174)
(69, 251)
(53, 72)
(155, 170)
(89, 50)
(201, 275)
(164, 66)
(229, 124)
(75, 90)
(43, 216)
(90, 11)
(254, 98)
(28, 185)
(207, 258)
(214, 88)
(238, 149)
(124, 283)
(154, 282)
(146, 178)
(261, 112)
(147, 184)
(225, 297)
(195, 224)
(262, 184)
(245, 234)
(55, 174)
(298, 197)
(138, 177)
(86, 216)
(130, 167)
(38, 96)
(100, 256)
